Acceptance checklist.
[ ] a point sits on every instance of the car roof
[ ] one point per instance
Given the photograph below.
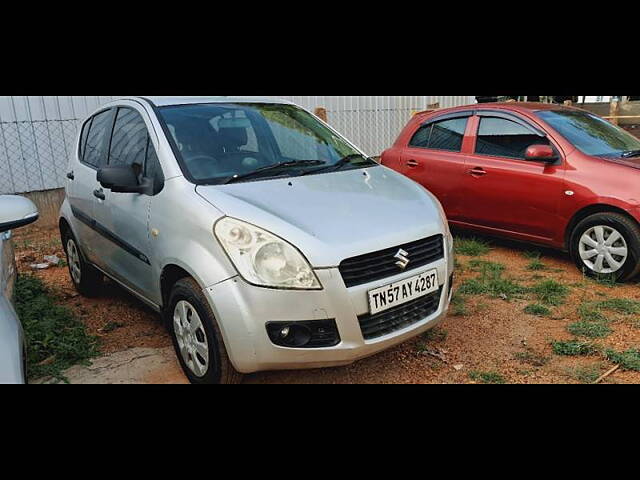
(509, 106)
(167, 101)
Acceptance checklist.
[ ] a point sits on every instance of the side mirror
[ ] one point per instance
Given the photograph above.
(541, 153)
(122, 179)
(16, 212)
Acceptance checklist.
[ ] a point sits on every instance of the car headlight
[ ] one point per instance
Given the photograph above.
(264, 259)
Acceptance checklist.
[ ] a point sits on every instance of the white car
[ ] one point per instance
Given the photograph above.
(14, 212)
(265, 239)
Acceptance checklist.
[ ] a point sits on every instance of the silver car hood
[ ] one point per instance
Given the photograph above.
(334, 216)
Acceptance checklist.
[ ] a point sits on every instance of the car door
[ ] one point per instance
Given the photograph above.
(502, 190)
(123, 218)
(434, 158)
(82, 184)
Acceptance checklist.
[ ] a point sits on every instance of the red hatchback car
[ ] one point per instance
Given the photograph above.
(546, 174)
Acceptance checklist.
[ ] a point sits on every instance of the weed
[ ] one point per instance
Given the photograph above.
(620, 305)
(588, 374)
(490, 281)
(532, 358)
(55, 339)
(435, 335)
(572, 347)
(459, 305)
(550, 292)
(537, 310)
(486, 377)
(589, 329)
(532, 254)
(628, 360)
(472, 246)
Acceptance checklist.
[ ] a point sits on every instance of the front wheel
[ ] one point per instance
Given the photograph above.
(607, 246)
(196, 337)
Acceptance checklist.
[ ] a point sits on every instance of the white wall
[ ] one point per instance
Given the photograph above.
(37, 132)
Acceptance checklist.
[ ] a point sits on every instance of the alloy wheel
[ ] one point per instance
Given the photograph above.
(74, 261)
(603, 249)
(191, 338)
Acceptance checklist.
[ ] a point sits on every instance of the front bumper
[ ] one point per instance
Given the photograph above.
(243, 310)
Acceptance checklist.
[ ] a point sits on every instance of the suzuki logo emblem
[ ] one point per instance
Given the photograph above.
(402, 257)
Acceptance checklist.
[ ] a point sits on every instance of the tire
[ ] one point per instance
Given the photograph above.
(619, 261)
(194, 331)
(85, 277)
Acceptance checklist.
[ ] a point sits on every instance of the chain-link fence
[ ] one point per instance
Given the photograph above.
(34, 155)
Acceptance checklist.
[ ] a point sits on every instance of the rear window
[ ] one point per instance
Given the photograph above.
(445, 135)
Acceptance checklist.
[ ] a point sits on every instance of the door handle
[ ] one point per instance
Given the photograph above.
(477, 172)
(99, 194)
(412, 163)
(70, 175)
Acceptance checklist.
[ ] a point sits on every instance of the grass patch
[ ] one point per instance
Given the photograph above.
(628, 360)
(620, 305)
(605, 279)
(487, 377)
(573, 348)
(472, 246)
(589, 329)
(536, 264)
(532, 358)
(436, 334)
(588, 374)
(459, 305)
(537, 310)
(550, 292)
(490, 281)
(55, 339)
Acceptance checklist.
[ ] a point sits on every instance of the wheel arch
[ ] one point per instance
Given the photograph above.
(590, 210)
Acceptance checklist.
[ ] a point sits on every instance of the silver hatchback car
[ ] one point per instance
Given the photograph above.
(263, 237)
(15, 212)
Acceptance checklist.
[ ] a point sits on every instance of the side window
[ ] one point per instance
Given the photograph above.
(95, 149)
(152, 167)
(499, 137)
(421, 137)
(445, 135)
(129, 140)
(83, 138)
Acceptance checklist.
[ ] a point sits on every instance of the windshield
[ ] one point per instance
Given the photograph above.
(591, 134)
(219, 142)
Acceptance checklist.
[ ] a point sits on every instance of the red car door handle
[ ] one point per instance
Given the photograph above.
(412, 163)
(477, 171)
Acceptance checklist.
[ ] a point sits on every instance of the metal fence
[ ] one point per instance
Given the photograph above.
(34, 154)
(37, 134)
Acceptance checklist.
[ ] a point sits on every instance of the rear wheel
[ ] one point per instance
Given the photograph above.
(607, 245)
(85, 277)
(196, 336)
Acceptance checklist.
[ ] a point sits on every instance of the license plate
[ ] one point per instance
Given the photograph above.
(394, 294)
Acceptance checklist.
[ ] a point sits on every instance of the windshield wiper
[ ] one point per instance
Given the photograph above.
(268, 168)
(341, 163)
(631, 153)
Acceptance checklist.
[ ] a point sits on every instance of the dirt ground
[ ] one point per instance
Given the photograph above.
(495, 335)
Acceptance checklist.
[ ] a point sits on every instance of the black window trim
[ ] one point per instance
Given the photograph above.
(441, 118)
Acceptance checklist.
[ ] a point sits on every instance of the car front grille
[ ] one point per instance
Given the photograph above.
(399, 317)
(381, 264)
